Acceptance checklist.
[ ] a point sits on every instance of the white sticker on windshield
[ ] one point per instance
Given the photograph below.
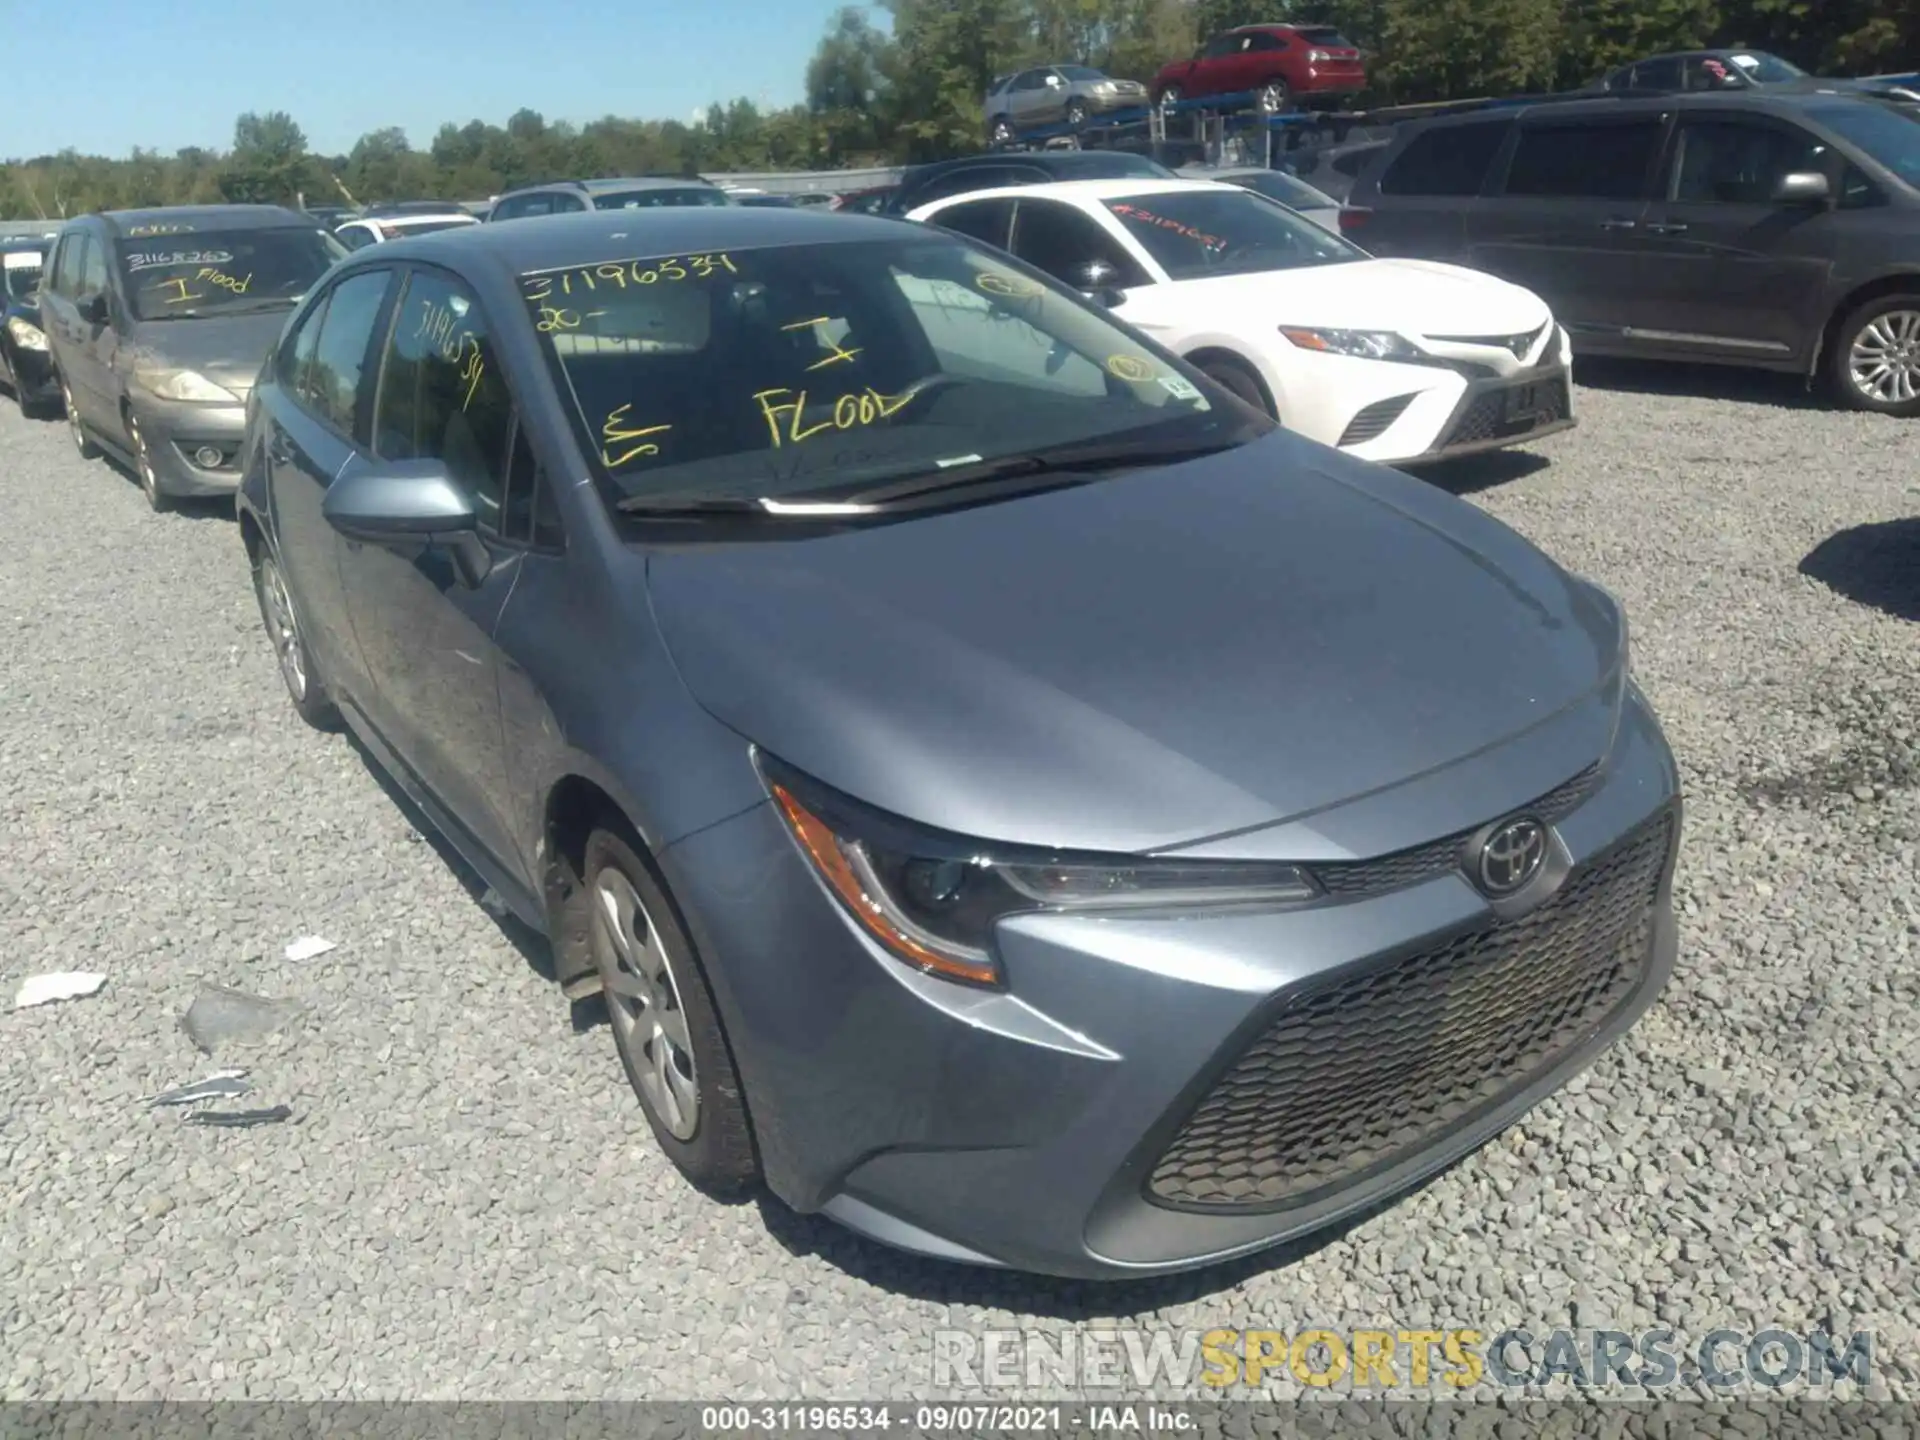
(1179, 388)
(24, 260)
(1746, 62)
(148, 259)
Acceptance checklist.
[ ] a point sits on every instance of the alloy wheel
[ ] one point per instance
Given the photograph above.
(1884, 361)
(1274, 97)
(74, 428)
(643, 1002)
(143, 462)
(282, 628)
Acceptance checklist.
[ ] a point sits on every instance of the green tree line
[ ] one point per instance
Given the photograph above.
(911, 91)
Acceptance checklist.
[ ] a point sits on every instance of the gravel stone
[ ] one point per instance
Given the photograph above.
(468, 1203)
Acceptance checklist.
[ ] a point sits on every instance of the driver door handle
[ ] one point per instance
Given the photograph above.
(1619, 224)
(1666, 229)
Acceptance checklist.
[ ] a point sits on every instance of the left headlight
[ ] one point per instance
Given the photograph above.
(189, 385)
(1361, 344)
(932, 900)
(26, 335)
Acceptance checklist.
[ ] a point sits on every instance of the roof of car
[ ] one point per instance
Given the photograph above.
(207, 217)
(628, 182)
(413, 217)
(1092, 190)
(1059, 162)
(1780, 98)
(590, 237)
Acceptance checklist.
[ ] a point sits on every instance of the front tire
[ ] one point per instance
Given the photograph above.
(1240, 382)
(158, 500)
(665, 1024)
(304, 686)
(82, 442)
(1875, 361)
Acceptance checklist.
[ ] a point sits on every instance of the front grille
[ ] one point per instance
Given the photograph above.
(1356, 879)
(1520, 346)
(1486, 417)
(1371, 422)
(1376, 1066)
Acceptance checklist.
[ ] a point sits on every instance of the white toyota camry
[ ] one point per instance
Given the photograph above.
(1392, 360)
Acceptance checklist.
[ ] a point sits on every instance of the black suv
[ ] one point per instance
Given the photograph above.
(24, 365)
(1760, 228)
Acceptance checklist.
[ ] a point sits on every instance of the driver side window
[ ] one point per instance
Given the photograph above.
(1063, 241)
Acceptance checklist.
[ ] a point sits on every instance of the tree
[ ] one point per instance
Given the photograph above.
(269, 164)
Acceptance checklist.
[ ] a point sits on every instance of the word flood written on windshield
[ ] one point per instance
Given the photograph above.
(585, 280)
(850, 412)
(455, 343)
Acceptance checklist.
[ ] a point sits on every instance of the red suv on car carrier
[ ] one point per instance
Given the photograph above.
(1283, 66)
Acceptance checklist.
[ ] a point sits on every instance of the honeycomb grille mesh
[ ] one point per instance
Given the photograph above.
(1372, 1068)
(1486, 417)
(1351, 880)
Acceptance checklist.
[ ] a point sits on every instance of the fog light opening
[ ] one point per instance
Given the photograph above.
(208, 457)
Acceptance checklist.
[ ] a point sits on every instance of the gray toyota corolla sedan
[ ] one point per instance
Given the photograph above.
(1012, 798)
(158, 320)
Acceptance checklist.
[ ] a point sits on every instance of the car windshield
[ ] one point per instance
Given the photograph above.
(1765, 69)
(23, 273)
(1888, 134)
(663, 195)
(1277, 185)
(1223, 230)
(819, 370)
(1082, 73)
(221, 272)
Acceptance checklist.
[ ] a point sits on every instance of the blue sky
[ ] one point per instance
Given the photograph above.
(168, 73)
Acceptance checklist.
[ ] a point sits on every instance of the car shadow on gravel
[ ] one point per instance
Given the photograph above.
(943, 1282)
(1877, 565)
(1705, 382)
(530, 943)
(182, 507)
(1473, 473)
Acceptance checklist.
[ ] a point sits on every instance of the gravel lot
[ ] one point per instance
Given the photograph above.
(468, 1203)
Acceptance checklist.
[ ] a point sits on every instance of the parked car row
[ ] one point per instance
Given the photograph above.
(1014, 798)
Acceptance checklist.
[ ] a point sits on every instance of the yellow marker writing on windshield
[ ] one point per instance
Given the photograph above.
(182, 294)
(1130, 368)
(850, 412)
(615, 432)
(819, 326)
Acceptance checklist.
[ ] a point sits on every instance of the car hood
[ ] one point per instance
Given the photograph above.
(228, 349)
(1418, 297)
(1144, 661)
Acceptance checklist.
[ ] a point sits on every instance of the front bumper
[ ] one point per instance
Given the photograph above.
(1024, 1128)
(177, 434)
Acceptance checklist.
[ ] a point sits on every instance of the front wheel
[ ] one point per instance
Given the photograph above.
(1241, 383)
(1001, 133)
(1076, 114)
(158, 500)
(1168, 99)
(1875, 361)
(304, 685)
(665, 1024)
(82, 442)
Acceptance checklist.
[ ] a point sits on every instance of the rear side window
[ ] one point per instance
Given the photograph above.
(1584, 162)
(1450, 160)
(1325, 37)
(442, 396)
(986, 220)
(340, 358)
(291, 365)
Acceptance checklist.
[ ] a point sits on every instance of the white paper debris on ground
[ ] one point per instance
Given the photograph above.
(309, 947)
(60, 985)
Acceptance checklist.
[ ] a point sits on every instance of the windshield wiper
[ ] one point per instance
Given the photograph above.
(1070, 464)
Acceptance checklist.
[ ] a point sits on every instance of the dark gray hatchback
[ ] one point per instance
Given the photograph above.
(1011, 796)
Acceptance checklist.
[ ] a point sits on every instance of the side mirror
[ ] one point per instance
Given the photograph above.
(93, 308)
(410, 503)
(1803, 187)
(1054, 82)
(1095, 280)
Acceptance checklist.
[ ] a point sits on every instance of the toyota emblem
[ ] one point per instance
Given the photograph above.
(1511, 856)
